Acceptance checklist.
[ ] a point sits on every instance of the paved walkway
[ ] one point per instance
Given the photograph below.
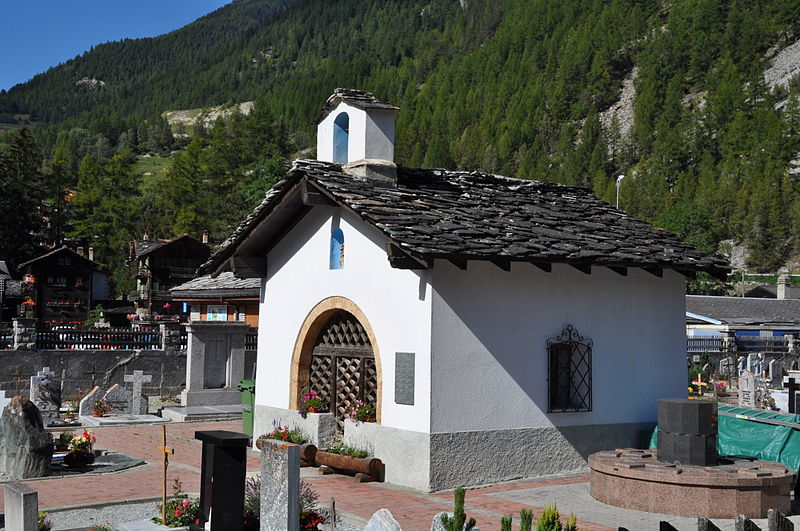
(413, 509)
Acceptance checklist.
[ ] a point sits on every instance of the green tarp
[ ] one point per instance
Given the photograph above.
(751, 438)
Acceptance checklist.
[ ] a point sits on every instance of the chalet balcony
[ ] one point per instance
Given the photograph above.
(157, 295)
(140, 273)
(182, 272)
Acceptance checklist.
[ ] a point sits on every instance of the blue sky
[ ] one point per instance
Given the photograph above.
(38, 34)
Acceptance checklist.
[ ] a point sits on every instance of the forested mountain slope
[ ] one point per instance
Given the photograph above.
(509, 86)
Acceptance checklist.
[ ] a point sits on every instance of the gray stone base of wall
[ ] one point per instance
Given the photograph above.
(319, 427)
(481, 457)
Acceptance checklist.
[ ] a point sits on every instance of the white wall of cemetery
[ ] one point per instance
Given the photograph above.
(489, 342)
(397, 304)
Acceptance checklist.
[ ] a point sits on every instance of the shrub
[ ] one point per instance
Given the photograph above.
(458, 521)
(549, 520)
(525, 520)
(343, 449)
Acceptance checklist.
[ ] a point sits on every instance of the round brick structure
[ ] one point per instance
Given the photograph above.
(635, 479)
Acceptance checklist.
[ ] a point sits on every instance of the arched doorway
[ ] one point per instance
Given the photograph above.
(336, 356)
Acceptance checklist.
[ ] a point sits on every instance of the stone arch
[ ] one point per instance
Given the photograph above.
(307, 336)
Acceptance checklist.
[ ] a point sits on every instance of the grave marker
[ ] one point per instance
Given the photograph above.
(87, 402)
(704, 524)
(119, 399)
(138, 378)
(747, 389)
(21, 507)
(792, 386)
(165, 453)
(777, 521)
(45, 395)
(743, 523)
(699, 383)
(280, 486)
(222, 480)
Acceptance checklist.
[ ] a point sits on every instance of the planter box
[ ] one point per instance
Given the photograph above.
(319, 427)
(363, 468)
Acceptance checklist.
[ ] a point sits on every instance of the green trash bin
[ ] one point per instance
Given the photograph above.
(248, 390)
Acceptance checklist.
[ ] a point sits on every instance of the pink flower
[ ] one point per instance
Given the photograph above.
(186, 504)
(178, 512)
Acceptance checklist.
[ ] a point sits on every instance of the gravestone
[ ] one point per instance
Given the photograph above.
(704, 524)
(727, 367)
(214, 364)
(382, 520)
(747, 389)
(222, 477)
(87, 402)
(280, 486)
(742, 364)
(754, 363)
(26, 448)
(45, 393)
(687, 431)
(777, 521)
(21, 505)
(120, 400)
(138, 406)
(775, 372)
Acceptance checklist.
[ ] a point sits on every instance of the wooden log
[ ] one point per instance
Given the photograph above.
(308, 455)
(368, 466)
(777, 521)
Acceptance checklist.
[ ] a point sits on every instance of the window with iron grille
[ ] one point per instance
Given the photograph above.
(569, 372)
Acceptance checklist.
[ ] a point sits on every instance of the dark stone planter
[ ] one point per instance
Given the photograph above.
(79, 459)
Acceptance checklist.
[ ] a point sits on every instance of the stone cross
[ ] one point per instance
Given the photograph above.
(138, 378)
(699, 383)
(166, 451)
(280, 488)
(747, 389)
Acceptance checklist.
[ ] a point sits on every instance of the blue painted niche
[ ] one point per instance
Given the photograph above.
(337, 249)
(341, 134)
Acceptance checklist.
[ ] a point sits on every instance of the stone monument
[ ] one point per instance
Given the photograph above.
(26, 449)
(139, 403)
(45, 393)
(747, 389)
(280, 486)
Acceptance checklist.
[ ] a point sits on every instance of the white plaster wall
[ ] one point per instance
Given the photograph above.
(357, 137)
(489, 343)
(380, 134)
(397, 304)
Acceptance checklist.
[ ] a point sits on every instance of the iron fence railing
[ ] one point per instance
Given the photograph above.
(744, 344)
(102, 339)
(251, 340)
(703, 344)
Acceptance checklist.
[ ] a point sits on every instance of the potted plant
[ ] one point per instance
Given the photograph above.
(312, 403)
(63, 440)
(101, 407)
(354, 461)
(358, 411)
(80, 450)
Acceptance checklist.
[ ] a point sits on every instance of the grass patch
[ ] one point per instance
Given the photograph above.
(151, 170)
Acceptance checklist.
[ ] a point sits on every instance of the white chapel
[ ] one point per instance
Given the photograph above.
(502, 328)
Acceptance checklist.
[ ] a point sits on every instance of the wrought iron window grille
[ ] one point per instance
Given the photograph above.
(569, 371)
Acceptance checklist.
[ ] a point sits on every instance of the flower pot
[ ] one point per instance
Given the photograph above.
(97, 413)
(61, 447)
(79, 459)
(312, 410)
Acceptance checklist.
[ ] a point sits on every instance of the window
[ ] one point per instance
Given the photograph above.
(337, 249)
(341, 132)
(569, 372)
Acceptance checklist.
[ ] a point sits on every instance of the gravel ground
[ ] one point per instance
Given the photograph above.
(127, 512)
(102, 515)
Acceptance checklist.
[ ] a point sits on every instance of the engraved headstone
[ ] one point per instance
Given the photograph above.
(45, 393)
(742, 364)
(754, 363)
(120, 400)
(139, 406)
(747, 389)
(87, 402)
(404, 378)
(727, 366)
(280, 486)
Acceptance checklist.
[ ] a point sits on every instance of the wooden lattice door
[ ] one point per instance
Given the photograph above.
(343, 365)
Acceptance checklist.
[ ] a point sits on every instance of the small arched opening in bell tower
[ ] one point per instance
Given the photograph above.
(341, 132)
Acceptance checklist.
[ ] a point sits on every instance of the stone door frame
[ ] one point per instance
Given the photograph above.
(307, 337)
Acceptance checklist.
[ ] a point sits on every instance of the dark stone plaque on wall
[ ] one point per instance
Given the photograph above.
(404, 378)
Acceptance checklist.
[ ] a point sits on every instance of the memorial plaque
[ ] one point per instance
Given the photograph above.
(216, 362)
(404, 378)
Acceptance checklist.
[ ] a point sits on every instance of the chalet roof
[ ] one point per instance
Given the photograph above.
(358, 98)
(459, 215)
(770, 291)
(225, 285)
(63, 249)
(745, 310)
(146, 247)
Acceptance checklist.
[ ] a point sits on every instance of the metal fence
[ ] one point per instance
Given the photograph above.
(744, 344)
(703, 344)
(104, 339)
(251, 340)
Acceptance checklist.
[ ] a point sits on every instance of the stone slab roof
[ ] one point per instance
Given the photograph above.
(461, 215)
(355, 97)
(225, 285)
(745, 310)
(770, 291)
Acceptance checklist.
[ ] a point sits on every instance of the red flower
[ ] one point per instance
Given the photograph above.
(178, 512)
